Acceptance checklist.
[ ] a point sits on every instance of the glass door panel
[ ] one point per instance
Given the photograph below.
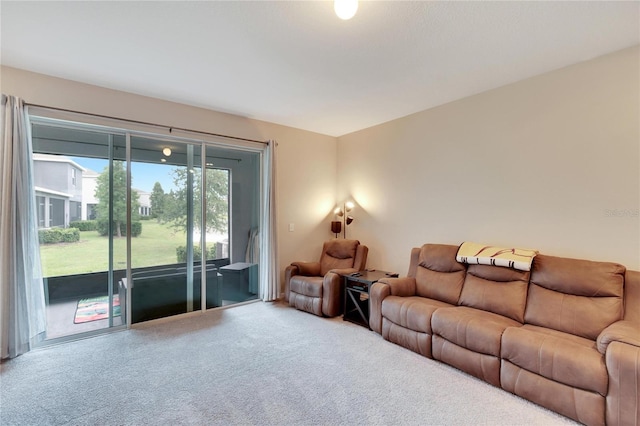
(164, 255)
(72, 179)
(233, 205)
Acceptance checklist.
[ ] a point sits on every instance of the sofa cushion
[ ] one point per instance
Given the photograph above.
(558, 356)
(578, 297)
(413, 312)
(413, 340)
(484, 367)
(496, 289)
(470, 328)
(438, 275)
(583, 406)
(307, 286)
(306, 303)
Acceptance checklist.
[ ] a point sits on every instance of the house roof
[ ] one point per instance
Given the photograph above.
(297, 64)
(57, 159)
(40, 190)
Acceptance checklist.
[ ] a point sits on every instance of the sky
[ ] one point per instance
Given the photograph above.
(143, 175)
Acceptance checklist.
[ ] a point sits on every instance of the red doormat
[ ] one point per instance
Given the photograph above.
(96, 308)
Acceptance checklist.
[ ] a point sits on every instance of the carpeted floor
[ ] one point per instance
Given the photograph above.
(261, 363)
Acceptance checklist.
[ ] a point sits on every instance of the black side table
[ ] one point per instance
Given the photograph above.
(356, 295)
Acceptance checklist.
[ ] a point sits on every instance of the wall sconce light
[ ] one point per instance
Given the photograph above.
(347, 219)
(166, 152)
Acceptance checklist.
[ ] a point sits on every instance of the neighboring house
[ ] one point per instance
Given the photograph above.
(89, 200)
(58, 185)
(144, 200)
(65, 191)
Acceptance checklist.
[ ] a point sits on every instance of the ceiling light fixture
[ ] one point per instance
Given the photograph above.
(345, 9)
(166, 151)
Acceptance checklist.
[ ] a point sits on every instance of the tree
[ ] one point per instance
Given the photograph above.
(119, 196)
(217, 200)
(157, 201)
(171, 209)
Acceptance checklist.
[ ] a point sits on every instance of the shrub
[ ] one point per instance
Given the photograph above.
(181, 253)
(136, 229)
(85, 225)
(103, 228)
(71, 235)
(58, 235)
(49, 236)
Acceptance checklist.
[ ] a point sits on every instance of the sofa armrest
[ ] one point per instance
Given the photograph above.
(623, 367)
(308, 269)
(403, 287)
(344, 271)
(332, 294)
(377, 293)
(621, 331)
(289, 272)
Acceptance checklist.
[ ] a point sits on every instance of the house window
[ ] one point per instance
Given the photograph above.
(56, 212)
(75, 211)
(41, 211)
(73, 177)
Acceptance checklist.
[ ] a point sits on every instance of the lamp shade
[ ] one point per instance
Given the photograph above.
(336, 226)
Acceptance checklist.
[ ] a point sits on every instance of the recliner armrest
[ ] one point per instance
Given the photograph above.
(308, 269)
(404, 286)
(621, 331)
(344, 271)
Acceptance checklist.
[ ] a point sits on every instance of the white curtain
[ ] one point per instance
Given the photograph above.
(269, 276)
(22, 302)
(252, 254)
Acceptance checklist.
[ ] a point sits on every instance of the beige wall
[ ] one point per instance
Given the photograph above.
(305, 194)
(550, 163)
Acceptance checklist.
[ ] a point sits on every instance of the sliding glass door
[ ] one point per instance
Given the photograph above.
(165, 261)
(145, 233)
(80, 186)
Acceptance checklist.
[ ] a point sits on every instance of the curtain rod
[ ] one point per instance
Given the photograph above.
(146, 123)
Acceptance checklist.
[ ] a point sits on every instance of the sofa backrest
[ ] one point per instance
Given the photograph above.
(576, 296)
(496, 289)
(338, 254)
(438, 275)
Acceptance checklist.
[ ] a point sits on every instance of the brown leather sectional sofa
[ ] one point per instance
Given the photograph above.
(565, 335)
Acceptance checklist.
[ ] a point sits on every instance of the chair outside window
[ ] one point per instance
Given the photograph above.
(318, 287)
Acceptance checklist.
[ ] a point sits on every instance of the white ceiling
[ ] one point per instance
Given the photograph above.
(297, 64)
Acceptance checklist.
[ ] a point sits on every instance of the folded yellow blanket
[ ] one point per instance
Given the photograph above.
(498, 256)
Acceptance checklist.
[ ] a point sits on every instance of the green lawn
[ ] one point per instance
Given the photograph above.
(155, 246)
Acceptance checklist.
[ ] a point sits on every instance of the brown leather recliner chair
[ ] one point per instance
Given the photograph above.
(318, 287)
